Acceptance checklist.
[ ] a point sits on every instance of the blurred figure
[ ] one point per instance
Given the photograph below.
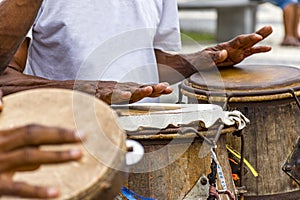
(291, 13)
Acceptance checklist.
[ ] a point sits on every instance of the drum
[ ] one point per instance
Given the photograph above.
(100, 173)
(176, 163)
(267, 96)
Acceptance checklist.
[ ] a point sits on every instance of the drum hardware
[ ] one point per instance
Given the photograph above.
(217, 169)
(292, 164)
(292, 91)
(180, 95)
(173, 134)
(135, 154)
(215, 166)
(214, 96)
(211, 95)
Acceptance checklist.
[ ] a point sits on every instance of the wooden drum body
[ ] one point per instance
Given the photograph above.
(266, 95)
(100, 172)
(176, 165)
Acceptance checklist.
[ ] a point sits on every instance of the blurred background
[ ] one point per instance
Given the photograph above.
(198, 30)
(201, 27)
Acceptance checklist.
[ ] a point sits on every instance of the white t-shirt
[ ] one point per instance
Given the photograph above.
(102, 39)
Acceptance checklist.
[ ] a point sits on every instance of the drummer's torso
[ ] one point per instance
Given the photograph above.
(67, 33)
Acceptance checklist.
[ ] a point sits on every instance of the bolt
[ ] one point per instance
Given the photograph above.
(288, 167)
(203, 181)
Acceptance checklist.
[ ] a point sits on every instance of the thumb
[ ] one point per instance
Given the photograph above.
(221, 56)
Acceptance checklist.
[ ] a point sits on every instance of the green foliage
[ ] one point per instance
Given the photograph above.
(190, 37)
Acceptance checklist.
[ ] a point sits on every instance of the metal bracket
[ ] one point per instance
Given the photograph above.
(292, 165)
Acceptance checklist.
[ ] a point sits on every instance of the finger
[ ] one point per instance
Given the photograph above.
(265, 31)
(259, 49)
(247, 41)
(140, 93)
(33, 156)
(21, 189)
(256, 37)
(159, 88)
(116, 95)
(120, 96)
(252, 39)
(219, 56)
(1, 104)
(38, 135)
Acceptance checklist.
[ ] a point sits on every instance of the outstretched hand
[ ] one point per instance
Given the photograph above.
(113, 92)
(234, 51)
(19, 151)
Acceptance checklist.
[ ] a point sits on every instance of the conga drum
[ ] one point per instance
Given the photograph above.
(175, 165)
(100, 173)
(268, 97)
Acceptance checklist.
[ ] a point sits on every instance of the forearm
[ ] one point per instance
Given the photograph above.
(174, 67)
(16, 17)
(12, 81)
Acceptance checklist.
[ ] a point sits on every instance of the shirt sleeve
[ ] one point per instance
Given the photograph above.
(29, 34)
(167, 36)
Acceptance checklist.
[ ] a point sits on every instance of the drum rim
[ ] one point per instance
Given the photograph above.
(193, 91)
(254, 70)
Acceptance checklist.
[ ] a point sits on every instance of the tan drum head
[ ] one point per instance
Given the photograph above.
(244, 83)
(104, 148)
(247, 77)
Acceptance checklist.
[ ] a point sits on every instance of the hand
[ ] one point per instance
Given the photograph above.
(19, 151)
(1, 104)
(234, 51)
(113, 92)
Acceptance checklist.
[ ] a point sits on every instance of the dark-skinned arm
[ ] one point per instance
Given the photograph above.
(16, 18)
(12, 81)
(174, 67)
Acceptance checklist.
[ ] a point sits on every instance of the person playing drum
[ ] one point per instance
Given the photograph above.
(19, 146)
(129, 50)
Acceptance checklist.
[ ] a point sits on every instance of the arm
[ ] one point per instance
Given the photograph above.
(174, 67)
(12, 81)
(16, 17)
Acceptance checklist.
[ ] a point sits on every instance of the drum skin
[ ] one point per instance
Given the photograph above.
(100, 174)
(264, 95)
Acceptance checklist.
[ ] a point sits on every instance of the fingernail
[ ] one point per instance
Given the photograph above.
(75, 153)
(80, 134)
(52, 192)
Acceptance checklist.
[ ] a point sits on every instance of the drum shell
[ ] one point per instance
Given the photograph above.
(176, 180)
(269, 138)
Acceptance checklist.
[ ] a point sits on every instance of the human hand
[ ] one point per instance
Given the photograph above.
(1, 104)
(113, 92)
(234, 51)
(19, 151)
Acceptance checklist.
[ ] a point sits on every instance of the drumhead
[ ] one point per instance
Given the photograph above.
(104, 149)
(253, 81)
